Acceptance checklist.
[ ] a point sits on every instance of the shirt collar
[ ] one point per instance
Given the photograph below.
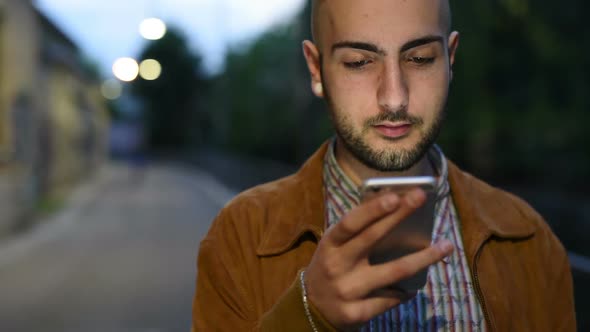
(340, 184)
(300, 206)
(336, 180)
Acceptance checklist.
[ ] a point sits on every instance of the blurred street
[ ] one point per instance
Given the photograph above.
(119, 257)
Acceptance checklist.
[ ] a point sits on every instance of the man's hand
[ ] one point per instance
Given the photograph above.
(341, 283)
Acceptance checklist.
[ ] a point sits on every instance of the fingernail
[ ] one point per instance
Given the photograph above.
(414, 198)
(445, 246)
(389, 202)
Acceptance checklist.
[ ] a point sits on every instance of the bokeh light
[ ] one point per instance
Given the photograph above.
(111, 89)
(126, 69)
(150, 69)
(152, 28)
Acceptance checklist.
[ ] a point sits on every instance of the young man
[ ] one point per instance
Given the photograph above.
(292, 255)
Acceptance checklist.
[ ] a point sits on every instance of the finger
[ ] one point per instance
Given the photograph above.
(362, 216)
(384, 275)
(361, 244)
(356, 288)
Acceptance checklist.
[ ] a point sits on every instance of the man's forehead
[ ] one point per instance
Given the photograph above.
(339, 18)
(378, 4)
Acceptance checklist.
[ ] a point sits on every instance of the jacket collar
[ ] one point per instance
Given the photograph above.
(485, 211)
(300, 209)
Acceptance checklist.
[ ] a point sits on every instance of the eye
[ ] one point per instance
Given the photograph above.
(420, 61)
(357, 64)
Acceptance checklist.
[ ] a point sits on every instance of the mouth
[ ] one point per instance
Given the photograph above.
(393, 130)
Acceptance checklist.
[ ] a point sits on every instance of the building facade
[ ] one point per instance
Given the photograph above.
(53, 122)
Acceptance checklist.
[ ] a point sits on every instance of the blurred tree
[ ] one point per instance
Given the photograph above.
(519, 101)
(169, 102)
(268, 108)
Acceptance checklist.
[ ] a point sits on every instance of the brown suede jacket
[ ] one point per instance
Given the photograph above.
(249, 261)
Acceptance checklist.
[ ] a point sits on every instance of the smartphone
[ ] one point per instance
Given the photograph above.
(412, 234)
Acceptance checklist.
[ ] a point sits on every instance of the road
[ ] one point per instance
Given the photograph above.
(119, 257)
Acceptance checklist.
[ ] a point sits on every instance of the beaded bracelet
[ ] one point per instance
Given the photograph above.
(305, 303)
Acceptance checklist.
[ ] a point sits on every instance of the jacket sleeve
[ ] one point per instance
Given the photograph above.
(562, 293)
(289, 314)
(222, 301)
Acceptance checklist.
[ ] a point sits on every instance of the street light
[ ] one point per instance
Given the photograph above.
(150, 69)
(152, 28)
(126, 69)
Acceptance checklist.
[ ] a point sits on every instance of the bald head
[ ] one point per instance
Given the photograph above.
(316, 6)
(321, 14)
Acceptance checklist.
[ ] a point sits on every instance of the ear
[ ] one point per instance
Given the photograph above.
(453, 46)
(312, 57)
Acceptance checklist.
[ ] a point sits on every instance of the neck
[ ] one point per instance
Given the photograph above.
(358, 172)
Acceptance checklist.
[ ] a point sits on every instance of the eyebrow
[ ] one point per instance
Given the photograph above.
(359, 46)
(421, 41)
(375, 49)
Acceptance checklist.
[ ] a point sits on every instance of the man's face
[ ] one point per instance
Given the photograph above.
(385, 70)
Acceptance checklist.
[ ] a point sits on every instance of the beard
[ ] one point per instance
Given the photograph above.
(389, 159)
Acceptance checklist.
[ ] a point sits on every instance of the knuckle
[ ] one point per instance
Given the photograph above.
(340, 293)
(435, 254)
(346, 292)
(331, 267)
(352, 315)
(364, 314)
(432, 255)
(387, 202)
(346, 226)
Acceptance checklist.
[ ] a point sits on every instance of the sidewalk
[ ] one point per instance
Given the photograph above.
(12, 247)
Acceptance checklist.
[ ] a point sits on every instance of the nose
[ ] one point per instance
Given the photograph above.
(392, 94)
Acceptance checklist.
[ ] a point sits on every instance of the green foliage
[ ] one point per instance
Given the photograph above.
(264, 99)
(518, 103)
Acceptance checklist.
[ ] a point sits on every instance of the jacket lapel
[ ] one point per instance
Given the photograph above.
(483, 213)
(301, 208)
